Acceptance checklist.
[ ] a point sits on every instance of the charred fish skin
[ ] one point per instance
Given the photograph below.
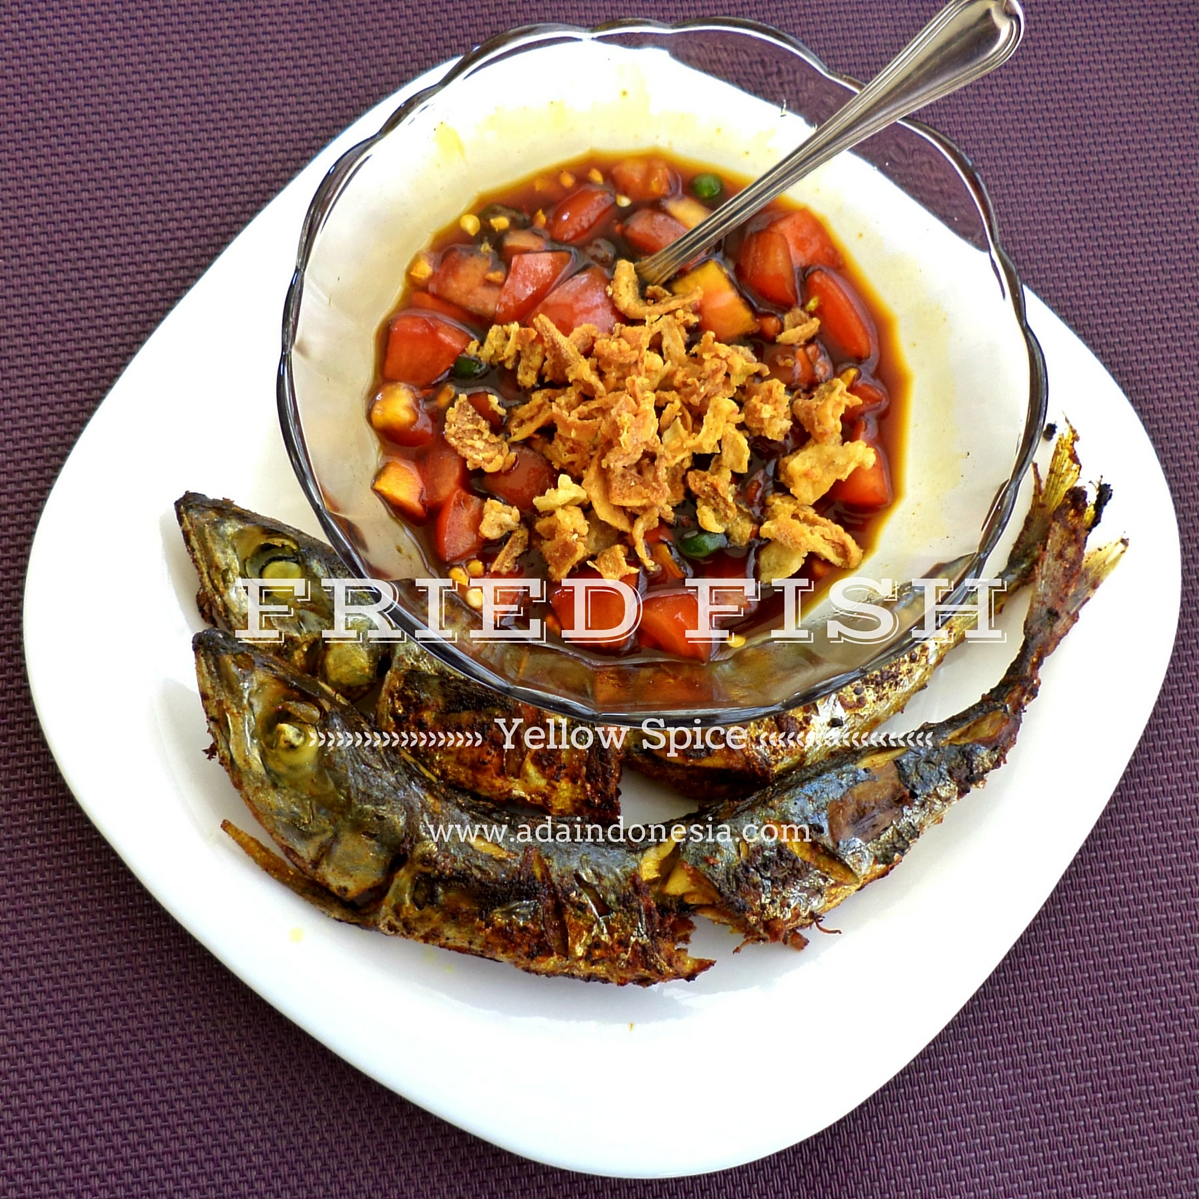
(778, 744)
(359, 825)
(227, 543)
(556, 776)
(861, 812)
(419, 693)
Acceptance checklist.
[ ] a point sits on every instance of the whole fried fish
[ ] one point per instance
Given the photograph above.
(361, 828)
(777, 744)
(420, 693)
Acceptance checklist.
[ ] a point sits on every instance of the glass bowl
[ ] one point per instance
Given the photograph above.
(907, 205)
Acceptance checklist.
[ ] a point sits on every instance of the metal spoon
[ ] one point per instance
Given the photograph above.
(964, 41)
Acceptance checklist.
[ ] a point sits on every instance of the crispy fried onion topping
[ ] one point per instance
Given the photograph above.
(637, 421)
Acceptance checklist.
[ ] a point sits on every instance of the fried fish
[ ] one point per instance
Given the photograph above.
(364, 831)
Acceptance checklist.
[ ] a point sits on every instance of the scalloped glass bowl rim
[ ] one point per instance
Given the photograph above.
(530, 36)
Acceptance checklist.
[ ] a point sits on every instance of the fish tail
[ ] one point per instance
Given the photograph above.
(1048, 495)
(1065, 578)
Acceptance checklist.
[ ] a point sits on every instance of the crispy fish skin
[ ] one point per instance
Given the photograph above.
(862, 811)
(357, 825)
(419, 694)
(571, 781)
(804, 736)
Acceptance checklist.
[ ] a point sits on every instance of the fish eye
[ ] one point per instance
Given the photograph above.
(292, 748)
(274, 557)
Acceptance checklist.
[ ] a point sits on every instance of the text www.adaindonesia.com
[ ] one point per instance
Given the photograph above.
(546, 832)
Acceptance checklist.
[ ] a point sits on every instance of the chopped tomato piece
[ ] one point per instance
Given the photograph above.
(483, 403)
(807, 239)
(765, 264)
(401, 485)
(529, 476)
(771, 326)
(665, 620)
(789, 365)
(444, 470)
(722, 310)
(605, 610)
(868, 486)
(650, 230)
(843, 316)
(522, 241)
(530, 278)
(581, 300)
(644, 178)
(873, 396)
(582, 215)
(422, 299)
(398, 414)
(420, 349)
(469, 278)
(456, 535)
(686, 211)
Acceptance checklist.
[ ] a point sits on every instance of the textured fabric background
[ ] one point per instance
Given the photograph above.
(136, 141)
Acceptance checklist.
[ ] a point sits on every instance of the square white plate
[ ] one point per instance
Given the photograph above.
(550, 1068)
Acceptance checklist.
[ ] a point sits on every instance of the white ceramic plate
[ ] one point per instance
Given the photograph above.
(550, 1068)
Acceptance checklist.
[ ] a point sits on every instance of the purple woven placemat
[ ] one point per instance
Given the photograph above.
(135, 144)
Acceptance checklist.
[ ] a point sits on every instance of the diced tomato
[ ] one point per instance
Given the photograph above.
(522, 241)
(420, 349)
(398, 414)
(531, 475)
(644, 178)
(665, 619)
(430, 303)
(807, 239)
(789, 365)
(605, 610)
(843, 316)
(581, 300)
(770, 326)
(821, 363)
(764, 264)
(483, 403)
(530, 278)
(444, 470)
(873, 396)
(868, 486)
(686, 211)
(582, 215)
(462, 278)
(650, 230)
(401, 485)
(456, 535)
(722, 310)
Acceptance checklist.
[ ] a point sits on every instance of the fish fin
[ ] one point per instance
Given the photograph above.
(1048, 494)
(283, 872)
(1066, 577)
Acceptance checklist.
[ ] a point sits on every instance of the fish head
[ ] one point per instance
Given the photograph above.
(291, 746)
(229, 544)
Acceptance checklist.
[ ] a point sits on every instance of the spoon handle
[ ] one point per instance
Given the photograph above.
(964, 41)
